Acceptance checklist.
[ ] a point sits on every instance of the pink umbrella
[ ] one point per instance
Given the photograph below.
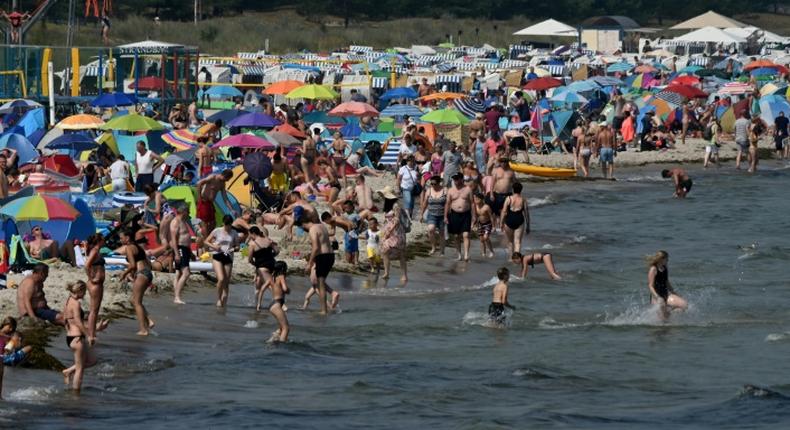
(245, 141)
(354, 109)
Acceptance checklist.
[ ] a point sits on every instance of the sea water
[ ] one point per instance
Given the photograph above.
(584, 352)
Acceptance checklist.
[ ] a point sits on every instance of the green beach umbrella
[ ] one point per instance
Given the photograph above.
(445, 116)
(313, 92)
(132, 122)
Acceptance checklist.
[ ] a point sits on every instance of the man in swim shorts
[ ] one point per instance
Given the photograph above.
(681, 179)
(30, 299)
(503, 178)
(321, 258)
(181, 242)
(208, 188)
(604, 145)
(460, 214)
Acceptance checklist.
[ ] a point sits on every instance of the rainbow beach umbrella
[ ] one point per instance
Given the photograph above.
(181, 140)
(39, 208)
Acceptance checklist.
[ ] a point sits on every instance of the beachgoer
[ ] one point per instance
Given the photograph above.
(604, 147)
(712, 146)
(408, 184)
(145, 162)
(373, 247)
(661, 291)
(119, 174)
(515, 219)
(499, 301)
(77, 334)
(207, 189)
(503, 178)
(434, 200)
(12, 348)
(681, 180)
(105, 29)
(181, 243)
(138, 271)
(206, 157)
(41, 246)
(277, 306)
(262, 251)
(393, 242)
(3, 177)
(584, 145)
(224, 241)
(742, 125)
(781, 133)
(351, 235)
(30, 298)
(459, 214)
(530, 260)
(320, 261)
(485, 225)
(756, 130)
(94, 269)
(451, 160)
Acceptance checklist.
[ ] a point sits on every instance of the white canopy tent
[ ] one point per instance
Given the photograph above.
(710, 35)
(764, 36)
(708, 19)
(550, 31)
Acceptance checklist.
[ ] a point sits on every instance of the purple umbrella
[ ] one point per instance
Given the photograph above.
(257, 165)
(253, 120)
(245, 141)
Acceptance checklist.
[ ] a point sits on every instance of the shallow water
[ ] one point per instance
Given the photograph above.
(585, 352)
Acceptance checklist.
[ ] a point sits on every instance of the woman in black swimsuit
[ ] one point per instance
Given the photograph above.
(76, 334)
(277, 306)
(139, 273)
(661, 291)
(515, 219)
(261, 255)
(530, 260)
(94, 268)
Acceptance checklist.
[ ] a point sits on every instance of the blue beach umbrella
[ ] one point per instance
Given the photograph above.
(24, 149)
(690, 70)
(619, 67)
(113, 99)
(323, 118)
(254, 120)
(606, 81)
(583, 86)
(770, 109)
(400, 93)
(400, 110)
(223, 92)
(764, 71)
(568, 98)
(73, 141)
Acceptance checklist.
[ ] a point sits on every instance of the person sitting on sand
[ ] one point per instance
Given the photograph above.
(40, 245)
(530, 260)
(77, 335)
(661, 291)
(30, 299)
(681, 180)
(496, 310)
(11, 349)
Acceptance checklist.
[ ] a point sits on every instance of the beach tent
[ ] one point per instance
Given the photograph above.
(32, 121)
(764, 36)
(183, 193)
(84, 225)
(549, 31)
(707, 19)
(221, 209)
(237, 187)
(710, 35)
(24, 149)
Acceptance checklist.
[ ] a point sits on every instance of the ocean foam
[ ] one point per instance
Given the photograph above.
(483, 320)
(32, 394)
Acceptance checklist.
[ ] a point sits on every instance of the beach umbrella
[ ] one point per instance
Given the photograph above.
(73, 141)
(353, 108)
(753, 65)
(442, 96)
(736, 88)
(226, 115)
(107, 100)
(39, 208)
(132, 122)
(671, 97)
(568, 98)
(18, 104)
(543, 83)
(690, 70)
(686, 91)
(445, 116)
(283, 87)
(402, 110)
(606, 81)
(147, 83)
(400, 93)
(641, 80)
(583, 86)
(322, 117)
(245, 141)
(283, 139)
(621, 66)
(685, 80)
(181, 139)
(469, 106)
(19, 143)
(253, 120)
(770, 108)
(645, 68)
(773, 88)
(764, 71)
(352, 130)
(290, 130)
(223, 92)
(257, 166)
(80, 122)
(313, 92)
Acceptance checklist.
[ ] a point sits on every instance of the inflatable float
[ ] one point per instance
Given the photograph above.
(194, 266)
(134, 199)
(544, 172)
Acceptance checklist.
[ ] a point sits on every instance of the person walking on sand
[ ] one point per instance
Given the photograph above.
(94, 269)
(393, 243)
(604, 147)
(320, 261)
(515, 219)
(181, 242)
(459, 214)
(661, 291)
(77, 334)
(712, 146)
(530, 260)
(742, 137)
(434, 200)
(485, 225)
(756, 130)
(223, 241)
(138, 272)
(681, 180)
(496, 310)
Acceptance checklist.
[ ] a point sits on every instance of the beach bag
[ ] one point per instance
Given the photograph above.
(416, 189)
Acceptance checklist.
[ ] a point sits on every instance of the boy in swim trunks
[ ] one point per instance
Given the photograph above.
(681, 179)
(484, 224)
(496, 310)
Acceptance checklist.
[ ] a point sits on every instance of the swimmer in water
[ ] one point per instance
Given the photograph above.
(661, 291)
(681, 180)
(530, 260)
(277, 306)
(496, 311)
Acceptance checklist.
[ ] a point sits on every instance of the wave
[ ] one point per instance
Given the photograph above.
(483, 320)
(535, 202)
(127, 368)
(644, 178)
(32, 394)
(777, 337)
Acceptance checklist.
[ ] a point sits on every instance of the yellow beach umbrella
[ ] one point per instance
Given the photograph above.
(80, 122)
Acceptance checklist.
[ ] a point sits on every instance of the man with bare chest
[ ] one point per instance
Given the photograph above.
(30, 299)
(181, 243)
(605, 145)
(205, 157)
(503, 179)
(207, 189)
(459, 214)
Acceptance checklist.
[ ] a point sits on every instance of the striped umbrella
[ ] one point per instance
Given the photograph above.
(181, 140)
(469, 106)
(736, 88)
(400, 110)
(619, 67)
(568, 98)
(39, 208)
(671, 97)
